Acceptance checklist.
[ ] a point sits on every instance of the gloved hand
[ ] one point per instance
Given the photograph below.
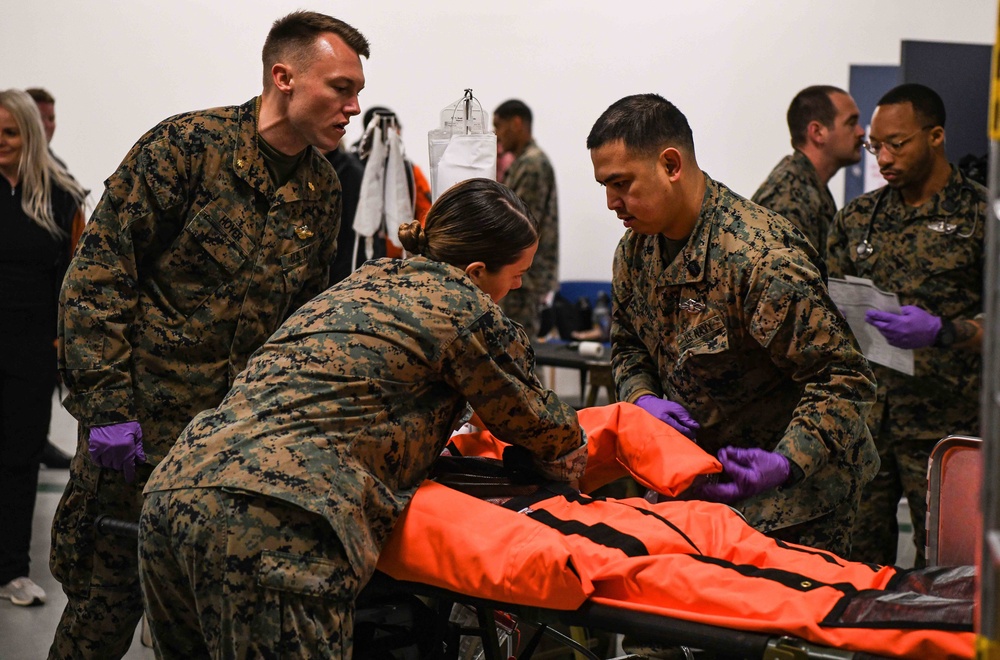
(672, 413)
(118, 446)
(752, 471)
(911, 328)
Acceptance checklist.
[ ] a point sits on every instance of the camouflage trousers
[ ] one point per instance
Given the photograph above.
(233, 575)
(903, 472)
(521, 305)
(98, 573)
(831, 532)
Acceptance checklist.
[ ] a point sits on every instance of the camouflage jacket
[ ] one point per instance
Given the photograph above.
(190, 261)
(532, 178)
(939, 272)
(793, 190)
(741, 331)
(344, 409)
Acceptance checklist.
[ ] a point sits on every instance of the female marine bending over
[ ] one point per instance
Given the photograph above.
(267, 517)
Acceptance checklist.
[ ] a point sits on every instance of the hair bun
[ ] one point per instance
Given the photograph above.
(413, 237)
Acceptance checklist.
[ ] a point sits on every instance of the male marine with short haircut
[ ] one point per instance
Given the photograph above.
(722, 327)
(826, 136)
(532, 178)
(214, 229)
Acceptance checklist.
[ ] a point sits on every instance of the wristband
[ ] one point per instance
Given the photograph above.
(946, 335)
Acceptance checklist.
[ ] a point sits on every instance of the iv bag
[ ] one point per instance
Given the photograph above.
(462, 147)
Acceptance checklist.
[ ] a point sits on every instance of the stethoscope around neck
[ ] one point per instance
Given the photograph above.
(865, 248)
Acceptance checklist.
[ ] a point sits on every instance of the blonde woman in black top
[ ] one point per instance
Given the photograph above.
(39, 205)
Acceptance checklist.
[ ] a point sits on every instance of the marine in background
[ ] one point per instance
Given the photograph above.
(531, 176)
(826, 136)
(921, 236)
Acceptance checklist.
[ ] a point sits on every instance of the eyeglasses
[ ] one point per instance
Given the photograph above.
(891, 146)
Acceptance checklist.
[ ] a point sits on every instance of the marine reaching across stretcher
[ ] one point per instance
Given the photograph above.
(557, 548)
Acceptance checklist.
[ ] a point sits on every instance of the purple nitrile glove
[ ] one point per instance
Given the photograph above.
(752, 471)
(672, 413)
(911, 328)
(118, 446)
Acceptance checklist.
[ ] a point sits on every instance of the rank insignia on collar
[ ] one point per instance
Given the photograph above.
(304, 232)
(311, 187)
(691, 305)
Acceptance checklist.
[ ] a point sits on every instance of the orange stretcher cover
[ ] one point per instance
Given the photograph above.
(653, 453)
(689, 560)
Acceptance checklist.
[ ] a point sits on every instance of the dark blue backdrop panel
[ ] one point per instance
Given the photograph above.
(960, 73)
(573, 290)
(867, 85)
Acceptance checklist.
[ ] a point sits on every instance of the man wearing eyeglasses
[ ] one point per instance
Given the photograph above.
(920, 236)
(826, 136)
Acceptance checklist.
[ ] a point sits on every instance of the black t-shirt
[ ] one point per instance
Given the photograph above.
(674, 247)
(350, 171)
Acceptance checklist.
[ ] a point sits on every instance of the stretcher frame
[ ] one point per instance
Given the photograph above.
(648, 629)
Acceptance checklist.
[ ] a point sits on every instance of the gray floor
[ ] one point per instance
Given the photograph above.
(26, 632)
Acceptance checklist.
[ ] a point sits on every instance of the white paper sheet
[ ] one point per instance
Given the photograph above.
(855, 296)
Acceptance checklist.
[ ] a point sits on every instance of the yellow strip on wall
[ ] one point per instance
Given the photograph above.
(994, 127)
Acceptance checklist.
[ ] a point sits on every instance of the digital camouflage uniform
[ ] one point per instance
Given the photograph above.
(339, 416)
(943, 274)
(531, 176)
(793, 190)
(189, 263)
(740, 330)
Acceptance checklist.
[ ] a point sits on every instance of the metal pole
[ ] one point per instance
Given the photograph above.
(988, 638)
(468, 110)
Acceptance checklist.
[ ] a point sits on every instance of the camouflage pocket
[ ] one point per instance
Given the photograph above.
(708, 336)
(71, 557)
(83, 319)
(295, 617)
(295, 273)
(710, 366)
(705, 347)
(84, 349)
(205, 256)
(941, 252)
(319, 577)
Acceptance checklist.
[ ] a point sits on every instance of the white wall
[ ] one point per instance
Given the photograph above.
(116, 68)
